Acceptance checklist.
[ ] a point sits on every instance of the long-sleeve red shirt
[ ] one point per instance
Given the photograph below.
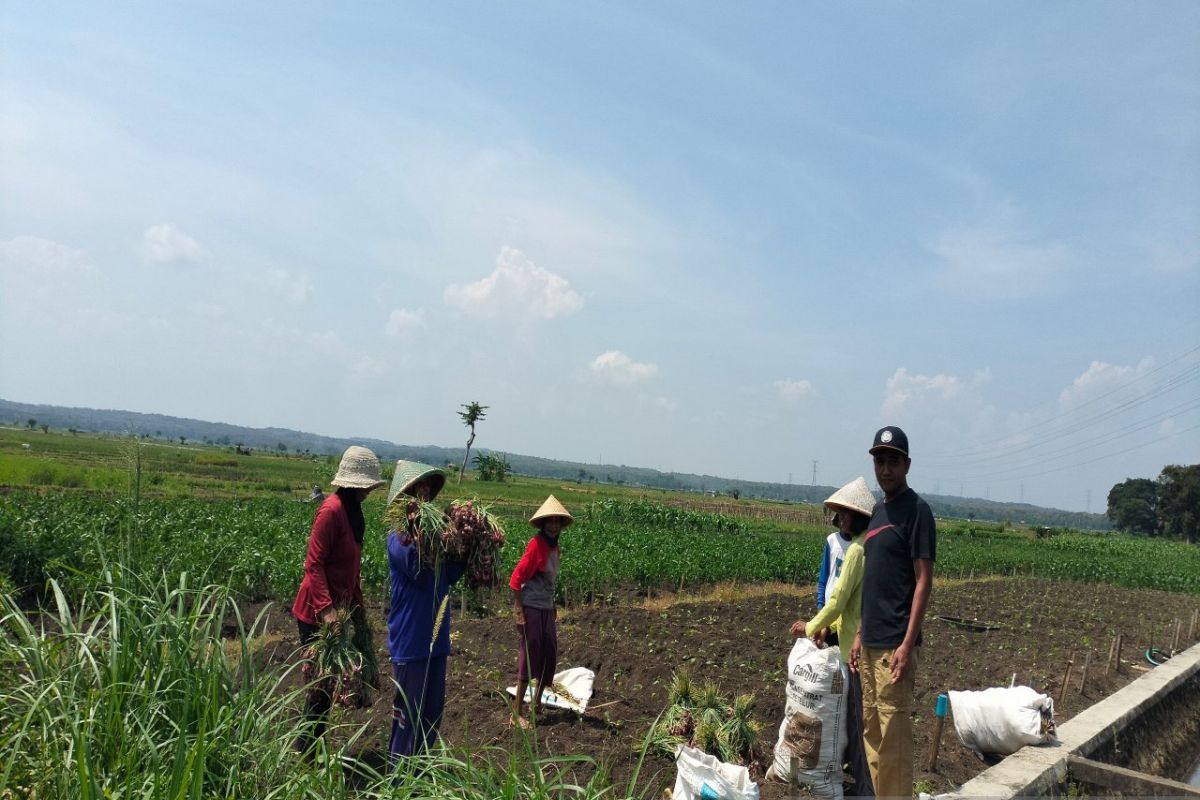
(332, 566)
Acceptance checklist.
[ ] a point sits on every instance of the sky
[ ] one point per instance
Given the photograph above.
(731, 239)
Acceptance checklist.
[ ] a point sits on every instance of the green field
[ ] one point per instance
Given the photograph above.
(123, 563)
(76, 503)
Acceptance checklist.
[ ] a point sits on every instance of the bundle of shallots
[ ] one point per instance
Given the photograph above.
(420, 524)
(467, 532)
(340, 662)
(474, 536)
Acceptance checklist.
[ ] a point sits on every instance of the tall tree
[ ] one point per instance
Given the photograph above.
(1133, 506)
(473, 413)
(1179, 502)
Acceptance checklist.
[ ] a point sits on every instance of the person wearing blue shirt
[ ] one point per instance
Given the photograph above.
(836, 545)
(418, 641)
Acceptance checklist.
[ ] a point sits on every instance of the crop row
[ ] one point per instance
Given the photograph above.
(256, 547)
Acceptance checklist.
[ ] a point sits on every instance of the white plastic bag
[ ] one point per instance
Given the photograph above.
(577, 683)
(699, 776)
(1002, 721)
(814, 720)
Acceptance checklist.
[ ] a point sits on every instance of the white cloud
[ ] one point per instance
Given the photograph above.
(32, 259)
(1101, 377)
(168, 244)
(616, 367)
(794, 390)
(402, 321)
(666, 404)
(905, 392)
(1000, 257)
(516, 286)
(296, 288)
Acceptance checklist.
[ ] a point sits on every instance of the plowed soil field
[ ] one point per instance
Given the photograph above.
(739, 639)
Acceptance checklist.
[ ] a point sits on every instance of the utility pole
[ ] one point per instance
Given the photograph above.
(814, 479)
(1089, 501)
(1022, 493)
(987, 493)
(789, 479)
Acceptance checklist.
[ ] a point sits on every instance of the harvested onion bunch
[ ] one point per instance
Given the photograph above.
(474, 536)
(340, 662)
(466, 532)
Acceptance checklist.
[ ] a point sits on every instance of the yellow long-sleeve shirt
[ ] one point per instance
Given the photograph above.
(843, 610)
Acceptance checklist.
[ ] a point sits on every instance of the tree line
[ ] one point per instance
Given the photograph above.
(1168, 506)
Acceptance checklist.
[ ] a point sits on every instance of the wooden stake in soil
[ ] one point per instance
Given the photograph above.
(1175, 639)
(1192, 627)
(1120, 647)
(1062, 693)
(1087, 662)
(943, 703)
(1112, 649)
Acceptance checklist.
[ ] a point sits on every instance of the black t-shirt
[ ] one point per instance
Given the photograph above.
(900, 531)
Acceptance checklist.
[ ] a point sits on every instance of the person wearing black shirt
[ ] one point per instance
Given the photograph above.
(901, 545)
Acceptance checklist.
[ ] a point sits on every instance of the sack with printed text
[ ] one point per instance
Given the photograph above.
(813, 731)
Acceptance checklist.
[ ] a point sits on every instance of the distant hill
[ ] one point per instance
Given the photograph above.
(160, 426)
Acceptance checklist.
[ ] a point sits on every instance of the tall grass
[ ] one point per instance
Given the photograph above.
(133, 692)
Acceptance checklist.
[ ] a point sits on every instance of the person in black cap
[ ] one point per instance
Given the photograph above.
(900, 544)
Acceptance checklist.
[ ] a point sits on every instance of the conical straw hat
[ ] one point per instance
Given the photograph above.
(410, 473)
(359, 469)
(551, 508)
(855, 496)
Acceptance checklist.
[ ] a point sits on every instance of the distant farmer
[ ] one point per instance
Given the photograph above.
(900, 545)
(532, 584)
(331, 568)
(418, 639)
(851, 506)
(317, 495)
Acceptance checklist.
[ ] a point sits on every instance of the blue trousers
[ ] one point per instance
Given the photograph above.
(417, 707)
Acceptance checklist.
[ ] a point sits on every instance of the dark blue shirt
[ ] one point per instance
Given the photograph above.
(417, 593)
(901, 531)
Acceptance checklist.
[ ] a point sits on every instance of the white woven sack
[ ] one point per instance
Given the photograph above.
(699, 776)
(814, 721)
(1000, 720)
(577, 681)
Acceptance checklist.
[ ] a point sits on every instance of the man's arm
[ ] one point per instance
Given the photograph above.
(923, 567)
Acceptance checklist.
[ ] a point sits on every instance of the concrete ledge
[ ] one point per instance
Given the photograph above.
(1034, 771)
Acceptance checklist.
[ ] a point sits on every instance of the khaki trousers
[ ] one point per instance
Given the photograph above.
(887, 722)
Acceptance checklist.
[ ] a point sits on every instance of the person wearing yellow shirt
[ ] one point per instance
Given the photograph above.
(851, 506)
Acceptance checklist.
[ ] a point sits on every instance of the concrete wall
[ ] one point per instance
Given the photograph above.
(1127, 726)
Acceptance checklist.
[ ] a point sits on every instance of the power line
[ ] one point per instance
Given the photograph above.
(1113, 454)
(1091, 444)
(983, 449)
(1082, 424)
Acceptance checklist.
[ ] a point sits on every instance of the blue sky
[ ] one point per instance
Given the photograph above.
(695, 237)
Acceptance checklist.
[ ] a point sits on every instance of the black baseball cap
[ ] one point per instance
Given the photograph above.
(890, 438)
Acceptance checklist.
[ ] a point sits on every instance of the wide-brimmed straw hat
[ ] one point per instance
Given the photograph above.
(359, 470)
(551, 508)
(855, 495)
(410, 473)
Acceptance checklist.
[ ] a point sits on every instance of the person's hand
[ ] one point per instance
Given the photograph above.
(519, 618)
(855, 651)
(900, 663)
(329, 615)
(798, 628)
(820, 636)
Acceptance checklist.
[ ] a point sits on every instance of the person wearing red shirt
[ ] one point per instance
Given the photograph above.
(533, 583)
(331, 567)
